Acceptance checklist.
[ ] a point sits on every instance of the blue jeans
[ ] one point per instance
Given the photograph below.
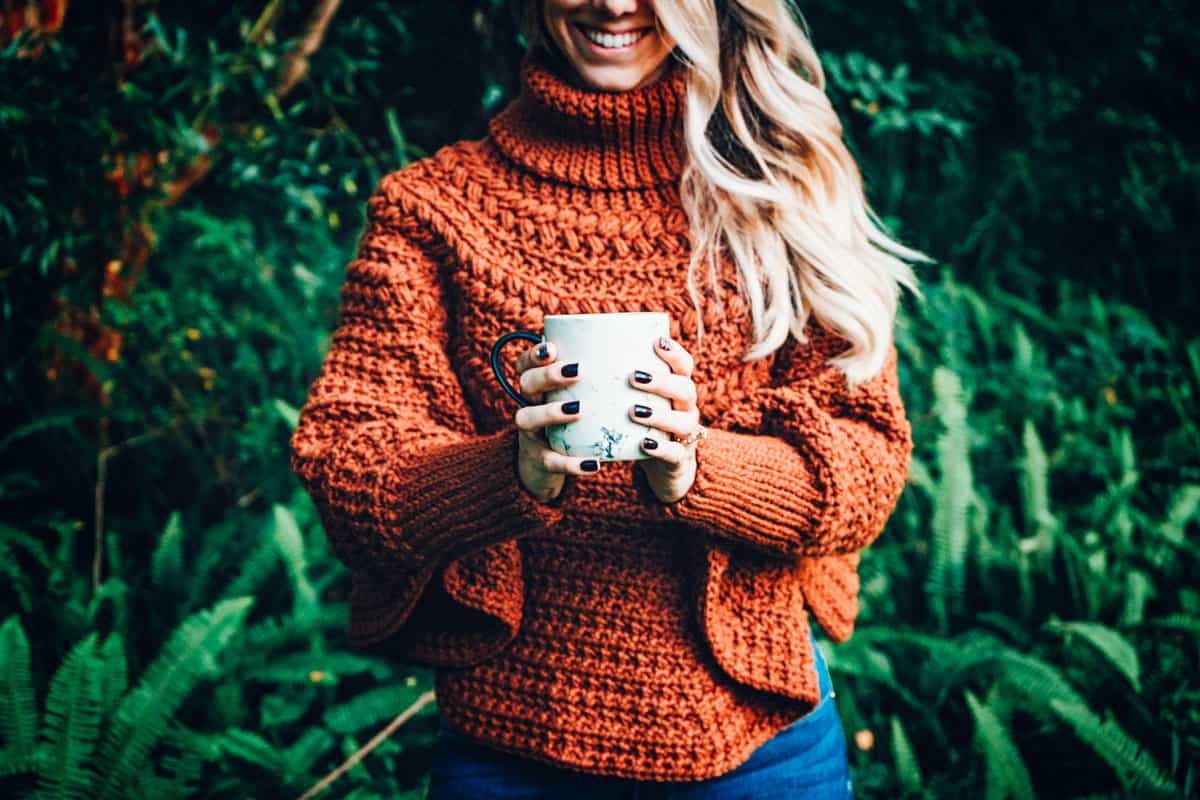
(805, 761)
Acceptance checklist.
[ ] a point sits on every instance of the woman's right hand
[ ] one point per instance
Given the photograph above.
(543, 470)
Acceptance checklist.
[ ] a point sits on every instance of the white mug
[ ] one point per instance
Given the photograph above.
(608, 348)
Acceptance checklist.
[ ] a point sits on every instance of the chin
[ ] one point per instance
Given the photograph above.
(611, 79)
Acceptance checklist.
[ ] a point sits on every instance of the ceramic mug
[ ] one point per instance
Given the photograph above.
(608, 347)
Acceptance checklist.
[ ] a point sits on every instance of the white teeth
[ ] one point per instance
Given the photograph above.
(611, 41)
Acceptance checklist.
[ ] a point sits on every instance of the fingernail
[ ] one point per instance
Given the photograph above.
(571, 406)
(570, 370)
(640, 410)
(640, 376)
(591, 465)
(664, 343)
(543, 351)
(649, 443)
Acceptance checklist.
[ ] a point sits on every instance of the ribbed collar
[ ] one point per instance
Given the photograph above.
(594, 138)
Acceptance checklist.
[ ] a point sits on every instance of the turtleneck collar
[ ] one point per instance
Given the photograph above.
(590, 137)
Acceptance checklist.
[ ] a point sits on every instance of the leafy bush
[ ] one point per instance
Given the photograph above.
(177, 220)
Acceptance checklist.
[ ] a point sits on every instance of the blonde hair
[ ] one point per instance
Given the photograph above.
(769, 180)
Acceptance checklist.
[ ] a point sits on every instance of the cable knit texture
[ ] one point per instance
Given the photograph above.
(603, 631)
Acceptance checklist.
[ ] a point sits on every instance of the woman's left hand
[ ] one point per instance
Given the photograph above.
(671, 468)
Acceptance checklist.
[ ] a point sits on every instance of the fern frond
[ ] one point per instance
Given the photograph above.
(299, 668)
(15, 537)
(908, 770)
(1134, 766)
(1040, 522)
(114, 672)
(946, 583)
(1006, 773)
(166, 563)
(1112, 645)
(290, 543)
(373, 707)
(1187, 623)
(256, 567)
(71, 724)
(1138, 589)
(1185, 504)
(18, 706)
(275, 633)
(308, 749)
(249, 746)
(145, 713)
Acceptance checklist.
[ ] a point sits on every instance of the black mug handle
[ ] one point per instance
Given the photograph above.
(503, 340)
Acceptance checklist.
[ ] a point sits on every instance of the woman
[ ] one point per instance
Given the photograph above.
(641, 629)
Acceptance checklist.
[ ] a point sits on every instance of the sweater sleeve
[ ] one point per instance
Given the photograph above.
(822, 474)
(385, 444)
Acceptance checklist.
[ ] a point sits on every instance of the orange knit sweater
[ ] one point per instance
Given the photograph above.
(603, 631)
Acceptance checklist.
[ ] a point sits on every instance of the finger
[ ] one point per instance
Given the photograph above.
(664, 449)
(552, 376)
(531, 419)
(532, 356)
(676, 357)
(678, 388)
(679, 423)
(553, 461)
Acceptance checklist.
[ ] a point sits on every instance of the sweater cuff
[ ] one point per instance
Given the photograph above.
(753, 489)
(463, 496)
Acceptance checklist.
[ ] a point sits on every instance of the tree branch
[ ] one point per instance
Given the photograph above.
(295, 63)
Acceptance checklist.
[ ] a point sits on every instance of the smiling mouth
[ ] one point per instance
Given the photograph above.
(610, 41)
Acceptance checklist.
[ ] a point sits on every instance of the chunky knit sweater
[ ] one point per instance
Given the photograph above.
(603, 631)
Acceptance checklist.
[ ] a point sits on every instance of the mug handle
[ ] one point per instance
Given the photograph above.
(504, 384)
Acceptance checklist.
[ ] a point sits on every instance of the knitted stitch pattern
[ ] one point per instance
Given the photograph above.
(603, 631)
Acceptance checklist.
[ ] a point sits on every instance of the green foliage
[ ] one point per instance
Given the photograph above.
(18, 711)
(1033, 594)
(1006, 773)
(71, 728)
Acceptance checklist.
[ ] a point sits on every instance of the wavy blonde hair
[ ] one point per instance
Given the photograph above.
(769, 181)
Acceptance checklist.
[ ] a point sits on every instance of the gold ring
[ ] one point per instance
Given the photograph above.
(698, 435)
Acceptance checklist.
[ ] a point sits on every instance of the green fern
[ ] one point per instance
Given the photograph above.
(1185, 504)
(1138, 589)
(275, 633)
(251, 747)
(287, 538)
(1135, 767)
(1006, 773)
(308, 749)
(374, 707)
(1187, 623)
(166, 563)
(1034, 679)
(946, 583)
(908, 770)
(1040, 522)
(113, 671)
(18, 706)
(307, 668)
(144, 714)
(71, 724)
(1112, 645)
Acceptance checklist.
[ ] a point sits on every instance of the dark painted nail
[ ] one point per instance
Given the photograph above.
(571, 406)
(640, 376)
(664, 343)
(640, 410)
(591, 465)
(543, 351)
(649, 443)
(570, 370)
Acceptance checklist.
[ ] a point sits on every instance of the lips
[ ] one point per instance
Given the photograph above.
(605, 42)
